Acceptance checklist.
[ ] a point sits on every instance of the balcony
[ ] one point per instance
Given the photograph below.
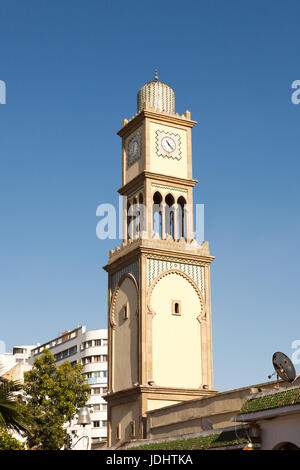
(96, 380)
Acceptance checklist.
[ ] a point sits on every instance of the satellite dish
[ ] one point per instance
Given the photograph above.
(284, 366)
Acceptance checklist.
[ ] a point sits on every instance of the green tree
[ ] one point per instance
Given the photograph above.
(8, 442)
(53, 395)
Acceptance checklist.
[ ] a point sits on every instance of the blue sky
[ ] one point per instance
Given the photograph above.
(72, 71)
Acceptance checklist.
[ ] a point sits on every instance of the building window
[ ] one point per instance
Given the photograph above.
(104, 424)
(96, 391)
(97, 342)
(96, 424)
(72, 351)
(103, 407)
(125, 312)
(96, 407)
(104, 358)
(132, 428)
(176, 307)
(118, 431)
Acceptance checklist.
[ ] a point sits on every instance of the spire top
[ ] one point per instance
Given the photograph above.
(156, 75)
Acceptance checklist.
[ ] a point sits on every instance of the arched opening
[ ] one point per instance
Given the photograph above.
(286, 446)
(181, 217)
(157, 214)
(129, 219)
(169, 215)
(135, 217)
(141, 226)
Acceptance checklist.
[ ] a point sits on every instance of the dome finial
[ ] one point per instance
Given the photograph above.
(155, 75)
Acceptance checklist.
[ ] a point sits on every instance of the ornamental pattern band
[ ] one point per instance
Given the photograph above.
(132, 269)
(155, 267)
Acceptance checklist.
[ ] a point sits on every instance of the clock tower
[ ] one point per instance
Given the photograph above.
(159, 310)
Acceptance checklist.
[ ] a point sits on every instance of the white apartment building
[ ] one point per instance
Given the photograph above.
(13, 365)
(90, 349)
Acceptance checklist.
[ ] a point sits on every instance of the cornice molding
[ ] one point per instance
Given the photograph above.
(153, 391)
(133, 185)
(158, 247)
(151, 114)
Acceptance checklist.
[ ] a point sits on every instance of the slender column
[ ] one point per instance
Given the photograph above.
(175, 221)
(163, 220)
(124, 218)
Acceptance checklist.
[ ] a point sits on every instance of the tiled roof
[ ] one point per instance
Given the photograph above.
(223, 439)
(270, 401)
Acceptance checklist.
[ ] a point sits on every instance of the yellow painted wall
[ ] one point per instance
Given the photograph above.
(164, 165)
(155, 404)
(176, 339)
(125, 343)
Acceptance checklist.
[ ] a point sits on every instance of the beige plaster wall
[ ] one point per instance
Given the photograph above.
(164, 165)
(125, 338)
(186, 417)
(176, 339)
(123, 414)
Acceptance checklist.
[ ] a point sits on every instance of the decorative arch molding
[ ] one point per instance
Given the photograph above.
(115, 296)
(150, 311)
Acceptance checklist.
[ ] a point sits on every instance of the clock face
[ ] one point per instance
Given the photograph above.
(133, 148)
(168, 144)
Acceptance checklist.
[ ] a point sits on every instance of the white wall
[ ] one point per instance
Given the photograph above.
(279, 430)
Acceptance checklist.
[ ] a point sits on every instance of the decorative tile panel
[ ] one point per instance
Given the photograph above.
(132, 269)
(175, 154)
(169, 188)
(155, 267)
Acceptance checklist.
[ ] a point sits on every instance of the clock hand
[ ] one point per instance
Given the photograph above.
(169, 145)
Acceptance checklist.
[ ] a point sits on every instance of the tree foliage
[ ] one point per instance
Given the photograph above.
(8, 442)
(13, 415)
(54, 394)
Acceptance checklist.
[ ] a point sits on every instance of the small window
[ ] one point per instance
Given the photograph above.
(96, 424)
(176, 307)
(118, 431)
(132, 429)
(125, 312)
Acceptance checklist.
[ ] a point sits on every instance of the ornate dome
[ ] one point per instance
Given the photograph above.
(158, 94)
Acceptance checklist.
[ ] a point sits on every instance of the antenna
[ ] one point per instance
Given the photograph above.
(283, 367)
